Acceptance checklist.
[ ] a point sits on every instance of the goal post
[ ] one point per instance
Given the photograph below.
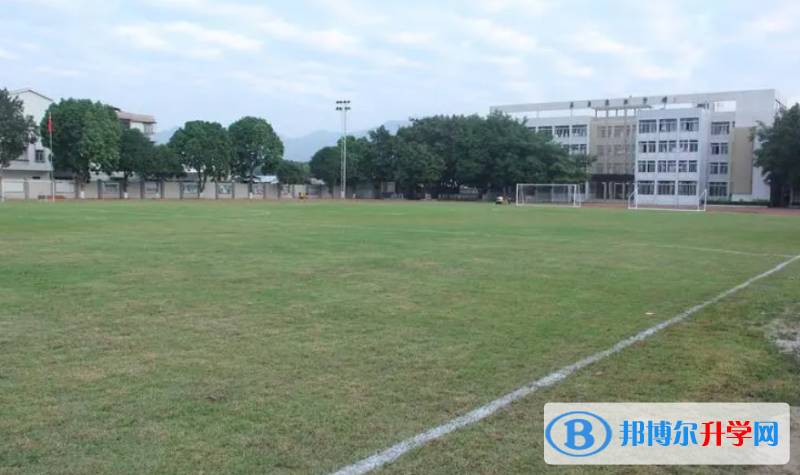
(549, 194)
(645, 197)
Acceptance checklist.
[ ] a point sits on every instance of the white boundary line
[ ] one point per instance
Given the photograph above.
(476, 415)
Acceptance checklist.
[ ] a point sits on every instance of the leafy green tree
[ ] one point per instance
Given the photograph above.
(86, 138)
(293, 173)
(779, 155)
(256, 146)
(326, 165)
(417, 165)
(17, 131)
(136, 155)
(357, 152)
(164, 164)
(205, 148)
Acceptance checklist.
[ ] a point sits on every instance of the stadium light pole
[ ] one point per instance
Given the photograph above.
(343, 107)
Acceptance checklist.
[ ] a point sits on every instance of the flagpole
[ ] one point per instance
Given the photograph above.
(52, 165)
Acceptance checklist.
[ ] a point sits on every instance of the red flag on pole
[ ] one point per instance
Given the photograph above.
(50, 123)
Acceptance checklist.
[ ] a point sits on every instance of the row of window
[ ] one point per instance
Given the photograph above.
(670, 146)
(612, 168)
(667, 188)
(565, 131)
(669, 125)
(38, 157)
(576, 149)
(684, 146)
(681, 166)
(716, 189)
(667, 166)
(617, 131)
(686, 125)
(618, 149)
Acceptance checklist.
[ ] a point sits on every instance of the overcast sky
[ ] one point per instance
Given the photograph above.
(288, 61)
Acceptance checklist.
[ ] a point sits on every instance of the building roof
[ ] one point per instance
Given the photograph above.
(145, 119)
(638, 102)
(22, 91)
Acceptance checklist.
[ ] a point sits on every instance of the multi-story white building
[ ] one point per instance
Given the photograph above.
(672, 148)
(35, 163)
(144, 123)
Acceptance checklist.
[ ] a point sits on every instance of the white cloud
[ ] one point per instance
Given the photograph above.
(59, 72)
(184, 38)
(7, 55)
(781, 18)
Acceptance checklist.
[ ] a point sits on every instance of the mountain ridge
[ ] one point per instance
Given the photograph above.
(302, 148)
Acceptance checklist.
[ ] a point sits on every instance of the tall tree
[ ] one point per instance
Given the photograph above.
(205, 148)
(326, 165)
(292, 173)
(17, 131)
(779, 155)
(417, 165)
(163, 165)
(255, 146)
(137, 153)
(86, 138)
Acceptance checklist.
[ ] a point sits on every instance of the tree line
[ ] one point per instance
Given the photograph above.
(436, 155)
(441, 154)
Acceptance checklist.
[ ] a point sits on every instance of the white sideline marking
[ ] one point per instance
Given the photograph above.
(476, 415)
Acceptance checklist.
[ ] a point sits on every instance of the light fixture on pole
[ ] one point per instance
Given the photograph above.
(343, 107)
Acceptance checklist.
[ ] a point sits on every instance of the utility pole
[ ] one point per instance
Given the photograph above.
(343, 107)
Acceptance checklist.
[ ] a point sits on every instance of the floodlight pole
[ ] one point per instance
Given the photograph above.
(343, 107)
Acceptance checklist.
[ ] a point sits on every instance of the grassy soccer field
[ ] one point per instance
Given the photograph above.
(297, 338)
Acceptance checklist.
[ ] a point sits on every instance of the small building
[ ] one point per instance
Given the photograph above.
(36, 162)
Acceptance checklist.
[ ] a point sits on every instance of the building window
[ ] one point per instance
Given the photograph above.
(690, 125)
(718, 189)
(619, 130)
(562, 131)
(668, 125)
(694, 146)
(719, 148)
(671, 166)
(718, 168)
(602, 132)
(648, 126)
(687, 188)
(692, 166)
(662, 147)
(683, 166)
(111, 187)
(651, 166)
(617, 168)
(684, 146)
(149, 129)
(662, 166)
(580, 130)
(39, 156)
(646, 187)
(642, 167)
(601, 150)
(546, 130)
(619, 149)
(672, 146)
(666, 188)
(720, 128)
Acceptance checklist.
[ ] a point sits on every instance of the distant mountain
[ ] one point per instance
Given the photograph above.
(301, 149)
(164, 136)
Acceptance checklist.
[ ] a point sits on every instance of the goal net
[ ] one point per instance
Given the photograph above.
(645, 196)
(554, 194)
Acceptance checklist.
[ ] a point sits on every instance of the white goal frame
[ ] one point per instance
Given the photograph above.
(697, 204)
(571, 194)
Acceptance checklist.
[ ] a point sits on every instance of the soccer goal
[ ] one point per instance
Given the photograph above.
(648, 197)
(553, 194)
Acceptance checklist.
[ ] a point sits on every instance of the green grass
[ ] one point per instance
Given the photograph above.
(296, 338)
